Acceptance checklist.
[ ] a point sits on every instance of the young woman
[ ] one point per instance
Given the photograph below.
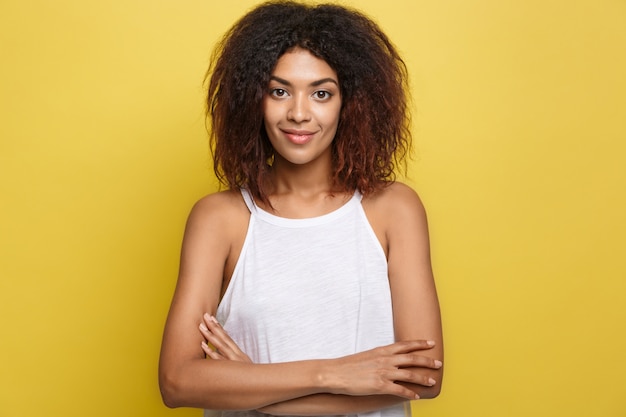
(306, 287)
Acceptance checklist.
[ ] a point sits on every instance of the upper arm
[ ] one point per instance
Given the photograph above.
(205, 250)
(416, 306)
(403, 227)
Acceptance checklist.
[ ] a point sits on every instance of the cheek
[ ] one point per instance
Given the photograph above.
(333, 116)
(328, 115)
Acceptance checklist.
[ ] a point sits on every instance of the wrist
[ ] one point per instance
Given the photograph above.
(325, 378)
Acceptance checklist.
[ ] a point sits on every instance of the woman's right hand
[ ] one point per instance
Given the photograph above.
(383, 370)
(225, 347)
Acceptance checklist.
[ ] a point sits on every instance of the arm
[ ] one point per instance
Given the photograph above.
(399, 221)
(185, 377)
(415, 302)
(363, 369)
(188, 379)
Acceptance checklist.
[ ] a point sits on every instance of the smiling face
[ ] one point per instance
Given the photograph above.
(301, 108)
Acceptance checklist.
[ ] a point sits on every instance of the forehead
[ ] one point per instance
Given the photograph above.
(300, 64)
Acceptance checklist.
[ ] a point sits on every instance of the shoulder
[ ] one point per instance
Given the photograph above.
(397, 216)
(220, 204)
(219, 210)
(396, 202)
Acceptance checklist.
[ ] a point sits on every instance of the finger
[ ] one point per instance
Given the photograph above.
(216, 328)
(210, 352)
(407, 346)
(401, 391)
(216, 331)
(204, 330)
(215, 342)
(222, 341)
(409, 360)
(412, 376)
(215, 339)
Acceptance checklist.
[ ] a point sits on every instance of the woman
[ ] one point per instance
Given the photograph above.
(306, 287)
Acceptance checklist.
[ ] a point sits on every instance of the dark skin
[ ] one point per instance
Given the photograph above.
(300, 125)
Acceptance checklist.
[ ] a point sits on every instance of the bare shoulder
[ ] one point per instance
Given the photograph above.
(396, 214)
(215, 231)
(219, 220)
(221, 208)
(396, 202)
(229, 199)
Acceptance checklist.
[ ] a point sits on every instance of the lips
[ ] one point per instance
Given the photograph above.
(298, 137)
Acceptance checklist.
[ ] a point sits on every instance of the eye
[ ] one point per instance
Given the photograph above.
(278, 92)
(322, 95)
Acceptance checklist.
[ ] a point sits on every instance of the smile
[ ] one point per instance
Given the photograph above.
(298, 137)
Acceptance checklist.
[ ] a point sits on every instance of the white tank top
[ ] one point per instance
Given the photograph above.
(314, 288)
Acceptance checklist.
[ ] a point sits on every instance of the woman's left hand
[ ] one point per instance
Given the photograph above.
(225, 347)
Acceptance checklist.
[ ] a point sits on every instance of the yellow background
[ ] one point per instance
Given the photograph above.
(520, 129)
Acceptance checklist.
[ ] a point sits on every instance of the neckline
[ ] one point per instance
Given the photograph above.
(268, 217)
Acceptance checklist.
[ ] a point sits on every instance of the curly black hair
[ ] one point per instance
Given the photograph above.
(373, 135)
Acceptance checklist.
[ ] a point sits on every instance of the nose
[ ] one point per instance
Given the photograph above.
(299, 111)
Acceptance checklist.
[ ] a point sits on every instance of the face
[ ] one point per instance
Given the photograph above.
(301, 108)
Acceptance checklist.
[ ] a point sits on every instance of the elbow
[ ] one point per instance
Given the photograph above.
(435, 390)
(169, 400)
(171, 390)
(432, 392)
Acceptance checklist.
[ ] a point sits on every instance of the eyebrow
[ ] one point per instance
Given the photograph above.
(313, 84)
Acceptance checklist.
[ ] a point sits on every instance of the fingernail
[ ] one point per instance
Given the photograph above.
(203, 327)
(430, 343)
(431, 381)
(417, 397)
(438, 364)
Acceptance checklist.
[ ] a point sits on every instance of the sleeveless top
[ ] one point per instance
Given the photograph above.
(314, 288)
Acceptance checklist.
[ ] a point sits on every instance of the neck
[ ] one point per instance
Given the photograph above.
(303, 190)
(305, 180)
